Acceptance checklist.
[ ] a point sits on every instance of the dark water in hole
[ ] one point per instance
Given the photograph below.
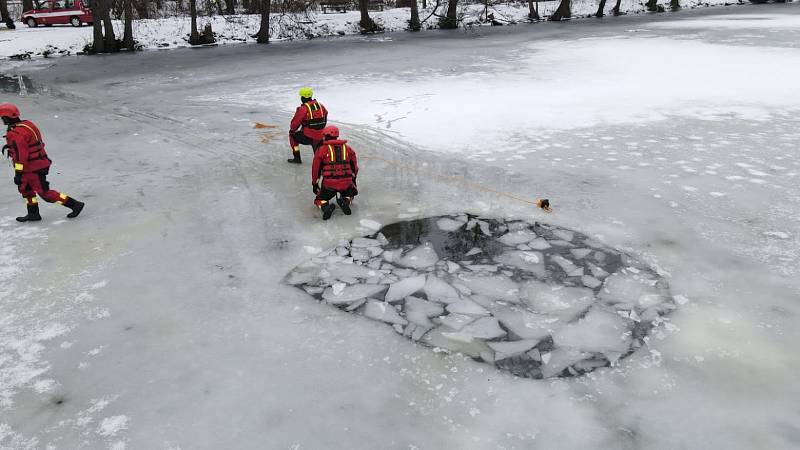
(10, 84)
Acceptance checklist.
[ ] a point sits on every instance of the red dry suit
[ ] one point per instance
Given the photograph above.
(336, 163)
(308, 121)
(31, 164)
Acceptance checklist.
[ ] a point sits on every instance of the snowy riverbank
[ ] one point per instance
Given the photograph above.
(24, 42)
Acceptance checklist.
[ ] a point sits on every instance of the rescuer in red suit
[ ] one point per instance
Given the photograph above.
(31, 165)
(335, 162)
(307, 124)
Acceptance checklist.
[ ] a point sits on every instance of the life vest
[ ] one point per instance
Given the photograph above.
(316, 117)
(336, 162)
(36, 150)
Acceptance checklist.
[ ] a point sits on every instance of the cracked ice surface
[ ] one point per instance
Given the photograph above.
(534, 314)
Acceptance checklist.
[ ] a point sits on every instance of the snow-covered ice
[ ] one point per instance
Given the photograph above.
(177, 269)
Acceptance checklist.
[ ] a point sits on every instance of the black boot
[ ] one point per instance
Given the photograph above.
(327, 211)
(75, 206)
(295, 159)
(33, 214)
(344, 203)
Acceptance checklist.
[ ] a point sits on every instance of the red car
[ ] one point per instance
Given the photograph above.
(59, 12)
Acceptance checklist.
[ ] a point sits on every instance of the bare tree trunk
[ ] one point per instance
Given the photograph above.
(601, 9)
(98, 42)
(127, 37)
(179, 5)
(616, 10)
(5, 16)
(263, 33)
(27, 5)
(564, 11)
(652, 5)
(450, 20)
(194, 36)
(108, 27)
(424, 4)
(141, 9)
(159, 5)
(414, 24)
(532, 13)
(366, 23)
(675, 5)
(230, 7)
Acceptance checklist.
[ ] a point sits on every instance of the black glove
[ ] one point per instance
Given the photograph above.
(17, 178)
(315, 188)
(5, 148)
(354, 181)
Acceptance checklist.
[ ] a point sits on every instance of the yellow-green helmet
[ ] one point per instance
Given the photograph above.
(306, 92)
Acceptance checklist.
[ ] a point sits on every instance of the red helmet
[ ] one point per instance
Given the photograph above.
(330, 132)
(9, 110)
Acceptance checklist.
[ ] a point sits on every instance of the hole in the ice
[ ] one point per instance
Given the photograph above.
(59, 400)
(533, 299)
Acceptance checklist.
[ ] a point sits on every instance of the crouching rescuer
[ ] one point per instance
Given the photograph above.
(307, 124)
(336, 164)
(31, 165)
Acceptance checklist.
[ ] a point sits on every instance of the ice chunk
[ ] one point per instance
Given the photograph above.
(342, 270)
(527, 325)
(437, 290)
(498, 287)
(565, 264)
(443, 338)
(473, 251)
(365, 242)
(422, 256)
(564, 234)
(560, 359)
(561, 243)
(303, 275)
(455, 321)
(352, 293)
(566, 303)
(419, 332)
(517, 237)
(466, 307)
(577, 272)
(356, 304)
(507, 349)
(528, 261)
(371, 224)
(458, 337)
(419, 311)
(360, 254)
(626, 290)
(597, 272)
(390, 255)
(384, 312)
(539, 244)
(447, 224)
(404, 288)
(485, 228)
(580, 253)
(590, 281)
(598, 331)
(484, 328)
(452, 267)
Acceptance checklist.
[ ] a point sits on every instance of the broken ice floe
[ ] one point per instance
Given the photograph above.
(536, 300)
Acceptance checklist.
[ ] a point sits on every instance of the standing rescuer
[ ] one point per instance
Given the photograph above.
(336, 164)
(307, 124)
(31, 165)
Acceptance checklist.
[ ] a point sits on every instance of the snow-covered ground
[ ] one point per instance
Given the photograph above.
(161, 318)
(174, 32)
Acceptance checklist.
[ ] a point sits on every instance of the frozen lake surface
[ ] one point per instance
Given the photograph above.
(162, 318)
